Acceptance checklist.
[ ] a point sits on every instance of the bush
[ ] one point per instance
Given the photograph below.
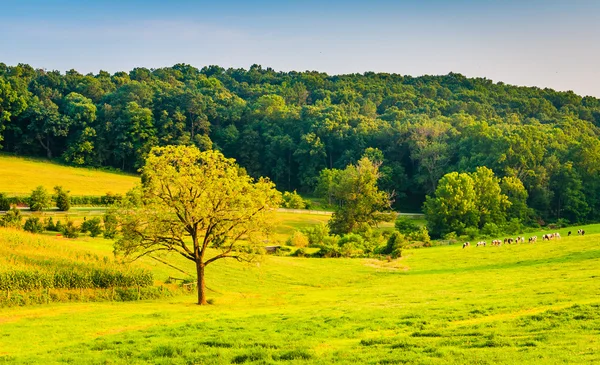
(39, 199)
(316, 234)
(49, 224)
(405, 225)
(352, 244)
(293, 200)
(4, 202)
(513, 226)
(110, 225)
(491, 230)
(93, 226)
(69, 230)
(58, 227)
(12, 218)
(63, 201)
(110, 198)
(395, 244)
(33, 225)
(421, 235)
(472, 233)
(298, 239)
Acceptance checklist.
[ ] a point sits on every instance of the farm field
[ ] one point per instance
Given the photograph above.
(19, 176)
(524, 303)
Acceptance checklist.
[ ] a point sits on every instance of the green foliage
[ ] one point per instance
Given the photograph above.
(293, 200)
(62, 199)
(359, 201)
(12, 218)
(298, 127)
(491, 230)
(317, 234)
(405, 225)
(298, 239)
(49, 225)
(33, 225)
(396, 242)
(58, 227)
(198, 204)
(39, 199)
(69, 230)
(464, 203)
(4, 202)
(93, 226)
(111, 224)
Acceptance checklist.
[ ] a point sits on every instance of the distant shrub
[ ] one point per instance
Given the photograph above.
(110, 225)
(316, 234)
(58, 227)
(70, 230)
(93, 226)
(293, 200)
(63, 201)
(405, 225)
(110, 198)
(298, 239)
(491, 230)
(11, 219)
(39, 199)
(4, 202)
(471, 233)
(395, 244)
(513, 226)
(33, 225)
(421, 235)
(49, 224)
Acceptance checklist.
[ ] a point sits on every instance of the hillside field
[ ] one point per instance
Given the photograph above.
(19, 176)
(512, 304)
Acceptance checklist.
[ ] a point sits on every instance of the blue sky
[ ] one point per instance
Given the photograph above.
(536, 43)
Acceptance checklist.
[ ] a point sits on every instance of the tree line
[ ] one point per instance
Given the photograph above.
(290, 126)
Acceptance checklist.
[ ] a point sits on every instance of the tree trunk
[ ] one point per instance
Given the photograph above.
(201, 285)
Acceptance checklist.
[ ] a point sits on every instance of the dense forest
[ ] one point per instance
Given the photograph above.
(290, 126)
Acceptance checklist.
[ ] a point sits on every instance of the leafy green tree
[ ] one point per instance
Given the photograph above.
(199, 205)
(489, 200)
(453, 207)
(39, 199)
(62, 199)
(11, 103)
(360, 202)
(517, 195)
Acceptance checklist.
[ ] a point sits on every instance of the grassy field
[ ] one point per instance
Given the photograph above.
(511, 304)
(19, 176)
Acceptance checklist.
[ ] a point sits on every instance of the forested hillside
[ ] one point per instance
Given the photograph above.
(291, 125)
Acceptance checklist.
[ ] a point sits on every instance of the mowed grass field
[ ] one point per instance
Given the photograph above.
(19, 176)
(512, 304)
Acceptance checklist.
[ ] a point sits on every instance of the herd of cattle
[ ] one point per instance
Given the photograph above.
(532, 239)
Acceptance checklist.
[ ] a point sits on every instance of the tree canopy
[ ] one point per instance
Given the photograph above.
(199, 205)
(290, 126)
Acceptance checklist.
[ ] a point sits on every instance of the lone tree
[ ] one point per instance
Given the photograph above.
(200, 205)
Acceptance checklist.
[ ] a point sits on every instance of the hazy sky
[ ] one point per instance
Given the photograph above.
(537, 43)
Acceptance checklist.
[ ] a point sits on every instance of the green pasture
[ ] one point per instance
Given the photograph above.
(511, 304)
(19, 176)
